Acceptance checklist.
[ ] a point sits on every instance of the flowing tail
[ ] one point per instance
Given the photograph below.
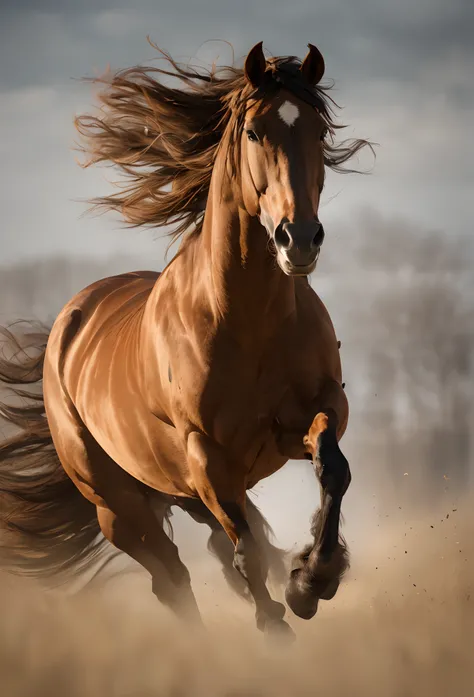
(47, 528)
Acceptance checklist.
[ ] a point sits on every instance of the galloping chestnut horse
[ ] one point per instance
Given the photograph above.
(188, 387)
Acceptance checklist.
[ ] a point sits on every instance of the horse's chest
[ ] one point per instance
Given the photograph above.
(250, 396)
(236, 395)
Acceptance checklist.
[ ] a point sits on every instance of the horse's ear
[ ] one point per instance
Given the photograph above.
(313, 65)
(255, 65)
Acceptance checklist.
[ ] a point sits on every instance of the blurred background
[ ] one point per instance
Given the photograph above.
(396, 270)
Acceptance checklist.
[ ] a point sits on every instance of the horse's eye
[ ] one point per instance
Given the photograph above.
(252, 136)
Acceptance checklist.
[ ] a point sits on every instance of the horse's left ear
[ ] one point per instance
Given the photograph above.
(313, 66)
(255, 65)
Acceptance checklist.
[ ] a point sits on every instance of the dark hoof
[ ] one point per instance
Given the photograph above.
(330, 591)
(313, 579)
(303, 596)
(302, 603)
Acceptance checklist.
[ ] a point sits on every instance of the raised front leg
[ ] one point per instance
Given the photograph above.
(318, 569)
(221, 487)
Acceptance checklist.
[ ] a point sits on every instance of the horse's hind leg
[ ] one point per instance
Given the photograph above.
(128, 521)
(124, 510)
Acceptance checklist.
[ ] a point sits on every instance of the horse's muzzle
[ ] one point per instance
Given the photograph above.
(298, 246)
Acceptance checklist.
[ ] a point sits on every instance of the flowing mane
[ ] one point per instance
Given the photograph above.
(164, 139)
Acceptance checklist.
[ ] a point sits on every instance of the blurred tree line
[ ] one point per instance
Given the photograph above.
(402, 301)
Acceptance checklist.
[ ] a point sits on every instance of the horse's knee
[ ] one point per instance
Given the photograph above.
(244, 556)
(239, 559)
(321, 443)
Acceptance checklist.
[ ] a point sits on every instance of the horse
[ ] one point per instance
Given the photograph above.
(188, 387)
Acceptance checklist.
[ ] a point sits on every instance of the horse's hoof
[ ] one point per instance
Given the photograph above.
(279, 632)
(304, 607)
(275, 614)
(330, 591)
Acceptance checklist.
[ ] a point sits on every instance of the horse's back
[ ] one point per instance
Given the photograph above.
(129, 289)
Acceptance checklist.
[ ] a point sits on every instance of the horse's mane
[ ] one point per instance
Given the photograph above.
(165, 138)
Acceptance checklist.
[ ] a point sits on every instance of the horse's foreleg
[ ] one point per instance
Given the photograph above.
(220, 488)
(219, 545)
(272, 559)
(317, 571)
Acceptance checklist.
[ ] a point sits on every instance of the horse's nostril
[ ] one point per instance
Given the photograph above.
(282, 237)
(318, 236)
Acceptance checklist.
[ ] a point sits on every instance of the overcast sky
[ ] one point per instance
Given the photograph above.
(404, 73)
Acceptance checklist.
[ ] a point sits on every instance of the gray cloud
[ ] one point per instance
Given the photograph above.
(362, 40)
(404, 72)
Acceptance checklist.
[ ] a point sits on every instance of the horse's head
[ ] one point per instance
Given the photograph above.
(282, 159)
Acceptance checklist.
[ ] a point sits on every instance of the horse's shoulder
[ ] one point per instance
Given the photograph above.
(118, 290)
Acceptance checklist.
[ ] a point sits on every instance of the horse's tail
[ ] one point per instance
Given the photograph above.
(47, 528)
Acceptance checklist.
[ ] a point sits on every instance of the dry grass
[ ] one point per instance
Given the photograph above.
(402, 624)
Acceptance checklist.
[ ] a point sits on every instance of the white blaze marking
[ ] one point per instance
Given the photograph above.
(288, 112)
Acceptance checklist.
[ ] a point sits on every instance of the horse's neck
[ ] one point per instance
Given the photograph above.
(245, 285)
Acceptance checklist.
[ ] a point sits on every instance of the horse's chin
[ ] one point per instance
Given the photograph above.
(295, 269)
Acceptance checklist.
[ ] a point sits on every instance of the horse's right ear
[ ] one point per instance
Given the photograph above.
(313, 65)
(255, 65)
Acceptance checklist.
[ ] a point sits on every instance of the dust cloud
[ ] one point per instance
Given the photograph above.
(402, 623)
